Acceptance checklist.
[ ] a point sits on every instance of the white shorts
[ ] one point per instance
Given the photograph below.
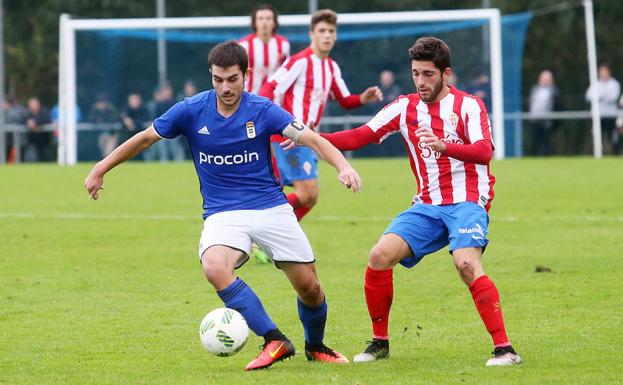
(275, 229)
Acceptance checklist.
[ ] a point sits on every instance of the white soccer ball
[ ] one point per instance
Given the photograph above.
(223, 332)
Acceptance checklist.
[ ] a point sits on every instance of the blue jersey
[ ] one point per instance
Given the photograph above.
(232, 155)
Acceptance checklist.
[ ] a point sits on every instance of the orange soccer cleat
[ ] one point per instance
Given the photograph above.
(324, 353)
(272, 351)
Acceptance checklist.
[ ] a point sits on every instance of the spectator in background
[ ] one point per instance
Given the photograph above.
(134, 117)
(14, 113)
(543, 100)
(168, 149)
(103, 114)
(389, 89)
(190, 89)
(619, 121)
(38, 140)
(481, 87)
(608, 91)
(151, 153)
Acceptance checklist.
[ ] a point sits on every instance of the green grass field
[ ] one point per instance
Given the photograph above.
(110, 292)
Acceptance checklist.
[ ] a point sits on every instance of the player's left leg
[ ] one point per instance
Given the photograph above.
(312, 308)
(468, 230)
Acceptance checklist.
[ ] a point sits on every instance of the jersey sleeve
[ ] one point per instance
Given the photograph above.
(387, 121)
(244, 43)
(282, 80)
(277, 118)
(339, 90)
(173, 122)
(474, 113)
(286, 49)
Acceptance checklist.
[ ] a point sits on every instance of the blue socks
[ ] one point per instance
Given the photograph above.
(313, 320)
(240, 297)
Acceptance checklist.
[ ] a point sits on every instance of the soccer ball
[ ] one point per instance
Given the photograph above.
(223, 332)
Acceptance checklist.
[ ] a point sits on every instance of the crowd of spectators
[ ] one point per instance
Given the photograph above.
(37, 136)
(33, 128)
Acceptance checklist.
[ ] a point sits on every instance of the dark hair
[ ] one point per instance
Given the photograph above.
(262, 8)
(326, 15)
(431, 49)
(228, 54)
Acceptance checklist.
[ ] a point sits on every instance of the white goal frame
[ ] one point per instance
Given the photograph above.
(67, 148)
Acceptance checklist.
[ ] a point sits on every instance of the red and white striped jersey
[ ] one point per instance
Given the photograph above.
(264, 58)
(457, 118)
(304, 83)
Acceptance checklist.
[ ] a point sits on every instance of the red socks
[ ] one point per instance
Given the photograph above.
(379, 291)
(299, 209)
(487, 300)
(293, 200)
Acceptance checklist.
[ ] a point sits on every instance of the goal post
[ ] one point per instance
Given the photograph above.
(68, 136)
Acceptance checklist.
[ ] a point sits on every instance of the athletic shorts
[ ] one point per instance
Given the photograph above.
(427, 228)
(275, 229)
(299, 163)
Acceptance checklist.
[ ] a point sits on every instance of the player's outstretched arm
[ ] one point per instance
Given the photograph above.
(371, 95)
(130, 148)
(346, 140)
(302, 135)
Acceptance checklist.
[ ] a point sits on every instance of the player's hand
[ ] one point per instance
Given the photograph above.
(94, 183)
(430, 140)
(349, 178)
(287, 144)
(372, 94)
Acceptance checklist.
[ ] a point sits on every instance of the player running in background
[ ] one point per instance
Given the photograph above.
(449, 143)
(229, 131)
(302, 86)
(266, 49)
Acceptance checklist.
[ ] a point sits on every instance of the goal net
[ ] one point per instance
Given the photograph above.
(102, 61)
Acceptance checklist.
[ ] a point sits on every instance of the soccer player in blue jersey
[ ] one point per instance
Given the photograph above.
(229, 131)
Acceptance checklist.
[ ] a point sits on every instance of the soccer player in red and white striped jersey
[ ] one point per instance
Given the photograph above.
(302, 87)
(447, 133)
(266, 49)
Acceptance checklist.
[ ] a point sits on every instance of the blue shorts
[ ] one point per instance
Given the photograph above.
(427, 228)
(300, 163)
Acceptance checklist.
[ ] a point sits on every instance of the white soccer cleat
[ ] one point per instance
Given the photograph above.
(504, 356)
(364, 357)
(376, 350)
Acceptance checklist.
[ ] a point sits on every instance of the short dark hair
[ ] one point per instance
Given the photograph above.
(262, 8)
(228, 54)
(431, 49)
(326, 15)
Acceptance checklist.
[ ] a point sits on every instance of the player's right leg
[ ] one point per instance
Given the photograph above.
(298, 168)
(379, 291)
(223, 247)
(304, 197)
(413, 234)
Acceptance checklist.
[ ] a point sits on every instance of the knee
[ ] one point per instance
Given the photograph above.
(311, 293)
(380, 258)
(466, 269)
(308, 197)
(214, 272)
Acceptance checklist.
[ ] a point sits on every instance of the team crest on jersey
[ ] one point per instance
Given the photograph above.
(454, 119)
(250, 130)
